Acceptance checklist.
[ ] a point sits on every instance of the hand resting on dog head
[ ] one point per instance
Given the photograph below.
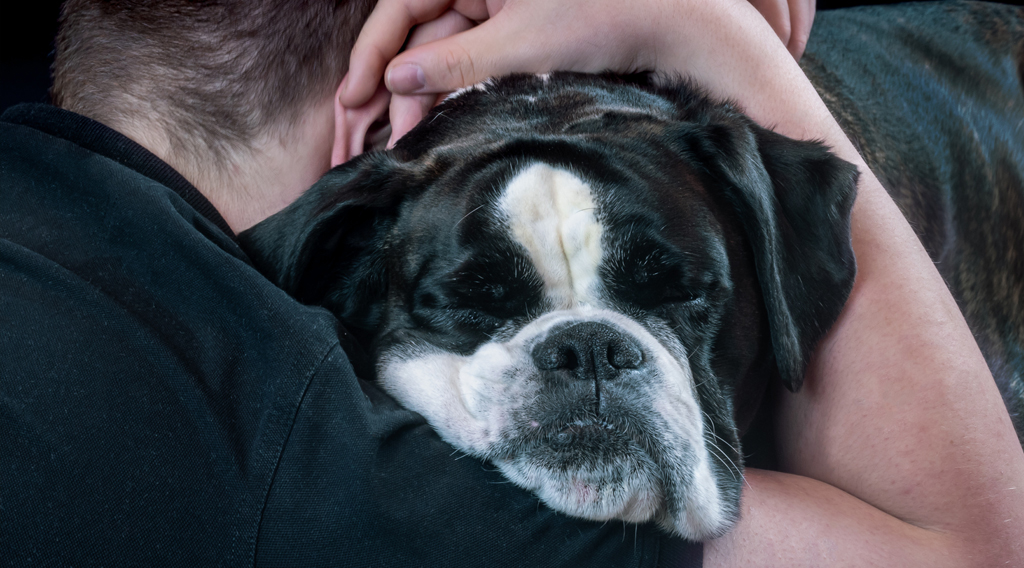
(453, 44)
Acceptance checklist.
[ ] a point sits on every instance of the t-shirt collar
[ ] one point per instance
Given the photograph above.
(102, 139)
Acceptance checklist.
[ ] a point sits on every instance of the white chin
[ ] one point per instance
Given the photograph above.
(594, 495)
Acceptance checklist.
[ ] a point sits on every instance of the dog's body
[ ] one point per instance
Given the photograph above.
(589, 282)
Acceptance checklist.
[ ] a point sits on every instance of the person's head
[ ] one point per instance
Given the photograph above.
(212, 86)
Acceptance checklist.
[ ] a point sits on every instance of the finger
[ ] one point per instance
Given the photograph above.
(477, 10)
(381, 38)
(465, 59)
(447, 24)
(777, 13)
(407, 110)
(802, 18)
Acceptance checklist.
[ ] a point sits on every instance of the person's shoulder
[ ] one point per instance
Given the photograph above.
(78, 157)
(143, 335)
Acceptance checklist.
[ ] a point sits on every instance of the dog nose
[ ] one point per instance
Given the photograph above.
(587, 351)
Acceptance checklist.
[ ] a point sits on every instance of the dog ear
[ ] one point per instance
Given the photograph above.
(326, 248)
(793, 200)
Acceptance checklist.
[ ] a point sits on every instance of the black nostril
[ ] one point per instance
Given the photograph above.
(557, 356)
(587, 350)
(569, 360)
(623, 355)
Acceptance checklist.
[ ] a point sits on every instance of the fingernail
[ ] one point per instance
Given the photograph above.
(406, 78)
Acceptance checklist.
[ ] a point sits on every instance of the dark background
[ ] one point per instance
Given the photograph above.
(27, 29)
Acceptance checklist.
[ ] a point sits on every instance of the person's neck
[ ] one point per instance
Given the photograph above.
(254, 183)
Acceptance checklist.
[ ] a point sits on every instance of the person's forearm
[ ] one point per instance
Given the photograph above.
(794, 521)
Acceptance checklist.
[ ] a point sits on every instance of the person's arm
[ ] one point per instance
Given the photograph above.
(899, 448)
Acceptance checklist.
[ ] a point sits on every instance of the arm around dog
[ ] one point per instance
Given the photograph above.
(896, 392)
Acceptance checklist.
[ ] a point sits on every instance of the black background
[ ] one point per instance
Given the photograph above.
(27, 29)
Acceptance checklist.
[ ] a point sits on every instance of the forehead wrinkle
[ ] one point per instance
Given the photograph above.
(551, 213)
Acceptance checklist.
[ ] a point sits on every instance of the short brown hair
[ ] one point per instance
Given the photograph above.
(215, 73)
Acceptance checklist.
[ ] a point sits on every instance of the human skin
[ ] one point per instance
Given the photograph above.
(790, 20)
(898, 450)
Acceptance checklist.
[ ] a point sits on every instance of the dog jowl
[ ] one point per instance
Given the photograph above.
(584, 281)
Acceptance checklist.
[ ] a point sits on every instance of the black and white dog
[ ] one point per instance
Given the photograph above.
(572, 276)
(585, 280)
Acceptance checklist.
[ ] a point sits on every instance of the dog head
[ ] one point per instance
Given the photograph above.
(583, 280)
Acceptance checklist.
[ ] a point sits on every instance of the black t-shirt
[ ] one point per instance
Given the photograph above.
(161, 403)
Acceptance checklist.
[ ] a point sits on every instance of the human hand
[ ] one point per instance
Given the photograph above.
(407, 110)
(361, 125)
(715, 42)
(451, 64)
(706, 40)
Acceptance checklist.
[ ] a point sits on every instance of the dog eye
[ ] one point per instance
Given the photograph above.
(680, 296)
(501, 301)
(649, 278)
(665, 291)
(502, 289)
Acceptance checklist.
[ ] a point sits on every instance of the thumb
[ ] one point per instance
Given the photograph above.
(462, 60)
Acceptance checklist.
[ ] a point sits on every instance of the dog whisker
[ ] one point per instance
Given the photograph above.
(477, 208)
(437, 116)
(723, 459)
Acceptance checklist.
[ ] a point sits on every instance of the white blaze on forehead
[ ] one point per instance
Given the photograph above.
(551, 212)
